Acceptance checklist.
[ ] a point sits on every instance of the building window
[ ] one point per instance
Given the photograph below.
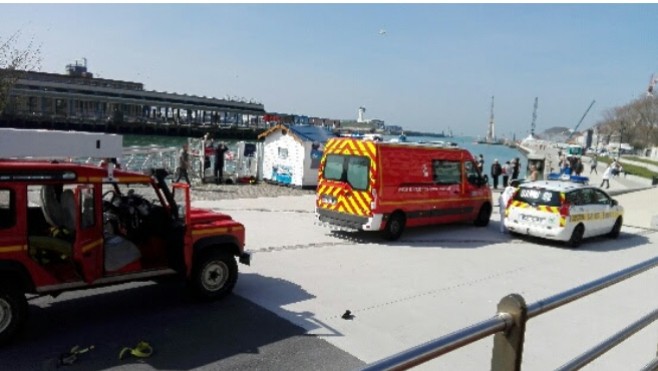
(283, 153)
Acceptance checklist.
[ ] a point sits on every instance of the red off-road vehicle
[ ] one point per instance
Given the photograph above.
(67, 226)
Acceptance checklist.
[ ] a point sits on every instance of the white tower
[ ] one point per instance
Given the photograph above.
(362, 110)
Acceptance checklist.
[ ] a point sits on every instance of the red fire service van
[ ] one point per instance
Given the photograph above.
(380, 186)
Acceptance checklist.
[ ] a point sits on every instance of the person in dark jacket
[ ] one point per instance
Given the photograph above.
(219, 162)
(496, 170)
(516, 166)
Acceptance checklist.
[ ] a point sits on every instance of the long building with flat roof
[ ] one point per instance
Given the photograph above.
(78, 96)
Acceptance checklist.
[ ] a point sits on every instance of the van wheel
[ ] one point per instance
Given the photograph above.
(576, 236)
(394, 227)
(484, 216)
(13, 312)
(214, 275)
(616, 229)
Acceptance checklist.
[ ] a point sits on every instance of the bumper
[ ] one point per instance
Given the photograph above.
(348, 221)
(551, 233)
(245, 258)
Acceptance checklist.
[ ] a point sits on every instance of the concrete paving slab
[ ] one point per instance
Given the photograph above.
(438, 279)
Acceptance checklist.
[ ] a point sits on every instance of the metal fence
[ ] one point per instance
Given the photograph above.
(508, 328)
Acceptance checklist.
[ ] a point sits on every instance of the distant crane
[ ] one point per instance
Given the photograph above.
(534, 117)
(581, 120)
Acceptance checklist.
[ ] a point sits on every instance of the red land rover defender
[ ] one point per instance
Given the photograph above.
(67, 226)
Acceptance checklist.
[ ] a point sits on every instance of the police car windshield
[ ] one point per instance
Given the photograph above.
(538, 196)
(350, 169)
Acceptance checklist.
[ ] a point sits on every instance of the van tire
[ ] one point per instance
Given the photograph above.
(484, 215)
(576, 236)
(13, 312)
(616, 229)
(214, 275)
(394, 226)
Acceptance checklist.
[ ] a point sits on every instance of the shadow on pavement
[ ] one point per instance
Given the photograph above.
(595, 244)
(231, 334)
(458, 235)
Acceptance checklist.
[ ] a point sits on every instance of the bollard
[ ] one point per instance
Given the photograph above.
(508, 345)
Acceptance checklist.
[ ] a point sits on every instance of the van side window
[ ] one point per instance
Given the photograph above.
(7, 209)
(471, 172)
(446, 172)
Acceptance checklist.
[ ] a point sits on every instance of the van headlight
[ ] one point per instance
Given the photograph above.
(327, 199)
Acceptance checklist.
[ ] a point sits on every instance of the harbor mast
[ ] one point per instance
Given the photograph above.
(491, 134)
(534, 117)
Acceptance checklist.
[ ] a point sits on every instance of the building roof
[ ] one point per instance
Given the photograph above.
(303, 133)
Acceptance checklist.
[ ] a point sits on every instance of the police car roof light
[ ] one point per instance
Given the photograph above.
(566, 177)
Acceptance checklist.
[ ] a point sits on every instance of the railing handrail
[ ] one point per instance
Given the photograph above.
(503, 322)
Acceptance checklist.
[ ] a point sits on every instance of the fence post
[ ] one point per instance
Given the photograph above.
(508, 345)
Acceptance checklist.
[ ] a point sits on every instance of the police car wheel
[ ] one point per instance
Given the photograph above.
(616, 229)
(394, 227)
(13, 312)
(576, 236)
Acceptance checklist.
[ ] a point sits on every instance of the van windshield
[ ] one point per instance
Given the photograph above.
(353, 170)
(538, 197)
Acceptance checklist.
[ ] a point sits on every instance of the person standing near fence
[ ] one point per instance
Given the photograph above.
(496, 170)
(507, 170)
(183, 165)
(220, 150)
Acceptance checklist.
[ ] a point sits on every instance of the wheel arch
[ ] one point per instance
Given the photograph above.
(16, 274)
(227, 243)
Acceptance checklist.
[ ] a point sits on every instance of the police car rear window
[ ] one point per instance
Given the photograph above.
(538, 197)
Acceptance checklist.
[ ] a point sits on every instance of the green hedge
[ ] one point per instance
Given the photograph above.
(642, 159)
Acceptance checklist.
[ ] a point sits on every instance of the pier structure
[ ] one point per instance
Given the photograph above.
(78, 100)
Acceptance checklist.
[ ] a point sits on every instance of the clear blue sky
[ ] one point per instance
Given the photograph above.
(436, 67)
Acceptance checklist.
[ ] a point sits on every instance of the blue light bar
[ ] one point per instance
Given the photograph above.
(568, 178)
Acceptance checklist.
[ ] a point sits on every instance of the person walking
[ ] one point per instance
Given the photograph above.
(219, 162)
(183, 165)
(593, 166)
(496, 170)
(606, 177)
(503, 200)
(507, 170)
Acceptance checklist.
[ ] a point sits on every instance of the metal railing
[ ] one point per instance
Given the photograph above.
(508, 328)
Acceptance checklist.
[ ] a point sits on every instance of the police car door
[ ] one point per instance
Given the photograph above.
(594, 212)
(608, 210)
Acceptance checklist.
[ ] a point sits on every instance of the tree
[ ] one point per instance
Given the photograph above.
(15, 62)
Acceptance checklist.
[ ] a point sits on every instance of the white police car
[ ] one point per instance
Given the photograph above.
(563, 209)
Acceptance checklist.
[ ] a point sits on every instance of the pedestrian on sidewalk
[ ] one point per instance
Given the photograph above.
(496, 170)
(220, 150)
(183, 165)
(593, 166)
(507, 170)
(606, 177)
(503, 200)
(516, 167)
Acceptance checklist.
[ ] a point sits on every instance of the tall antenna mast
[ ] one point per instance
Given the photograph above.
(491, 135)
(534, 117)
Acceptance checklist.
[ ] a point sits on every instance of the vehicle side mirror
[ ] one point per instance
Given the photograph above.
(614, 202)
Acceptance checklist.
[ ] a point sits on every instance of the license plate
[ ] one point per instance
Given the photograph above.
(531, 218)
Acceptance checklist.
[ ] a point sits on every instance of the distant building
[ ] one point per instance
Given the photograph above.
(394, 129)
(79, 96)
(291, 154)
